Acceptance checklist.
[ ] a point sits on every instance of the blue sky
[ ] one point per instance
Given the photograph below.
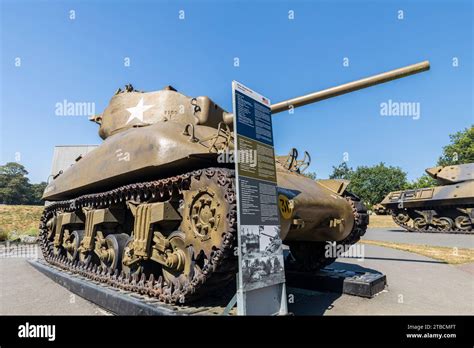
(82, 60)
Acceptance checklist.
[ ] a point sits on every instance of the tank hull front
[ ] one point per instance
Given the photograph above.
(325, 214)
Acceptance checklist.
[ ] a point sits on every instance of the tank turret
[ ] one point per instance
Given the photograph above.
(130, 108)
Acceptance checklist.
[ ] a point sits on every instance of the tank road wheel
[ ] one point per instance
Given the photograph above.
(189, 221)
(111, 257)
(463, 223)
(180, 266)
(445, 224)
(87, 256)
(58, 250)
(71, 245)
(420, 224)
(130, 268)
(401, 217)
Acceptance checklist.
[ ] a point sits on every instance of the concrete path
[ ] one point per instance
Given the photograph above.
(417, 285)
(25, 291)
(437, 239)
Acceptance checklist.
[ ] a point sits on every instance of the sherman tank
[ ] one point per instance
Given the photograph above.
(448, 207)
(152, 210)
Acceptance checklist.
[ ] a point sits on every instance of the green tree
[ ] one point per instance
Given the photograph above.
(12, 169)
(460, 150)
(342, 171)
(423, 181)
(15, 187)
(372, 184)
(37, 192)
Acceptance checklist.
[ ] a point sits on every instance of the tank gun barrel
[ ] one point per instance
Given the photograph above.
(350, 87)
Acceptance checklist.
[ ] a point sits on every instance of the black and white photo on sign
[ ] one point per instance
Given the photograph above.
(269, 238)
(249, 240)
(263, 271)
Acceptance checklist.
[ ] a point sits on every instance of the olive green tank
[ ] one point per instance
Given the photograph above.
(153, 210)
(448, 207)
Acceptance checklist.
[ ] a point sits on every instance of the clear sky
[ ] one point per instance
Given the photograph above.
(82, 60)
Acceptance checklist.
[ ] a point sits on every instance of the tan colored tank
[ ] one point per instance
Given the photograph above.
(445, 208)
(379, 209)
(153, 210)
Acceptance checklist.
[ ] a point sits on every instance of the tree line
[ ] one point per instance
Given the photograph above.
(373, 183)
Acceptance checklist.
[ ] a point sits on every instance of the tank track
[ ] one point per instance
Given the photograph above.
(409, 228)
(314, 253)
(221, 267)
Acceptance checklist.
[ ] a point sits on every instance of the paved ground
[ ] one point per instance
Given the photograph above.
(416, 285)
(399, 235)
(25, 291)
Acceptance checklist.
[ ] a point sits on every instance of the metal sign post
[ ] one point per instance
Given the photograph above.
(261, 279)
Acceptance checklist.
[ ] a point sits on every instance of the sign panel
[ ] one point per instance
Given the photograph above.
(260, 247)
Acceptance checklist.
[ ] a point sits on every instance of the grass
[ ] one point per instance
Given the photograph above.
(384, 221)
(21, 219)
(445, 254)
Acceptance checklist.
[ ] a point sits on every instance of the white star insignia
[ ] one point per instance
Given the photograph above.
(137, 111)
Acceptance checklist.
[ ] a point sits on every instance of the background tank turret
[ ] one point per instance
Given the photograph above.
(152, 209)
(448, 207)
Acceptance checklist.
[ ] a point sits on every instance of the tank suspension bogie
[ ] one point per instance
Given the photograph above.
(60, 229)
(172, 239)
(99, 223)
(145, 242)
(436, 219)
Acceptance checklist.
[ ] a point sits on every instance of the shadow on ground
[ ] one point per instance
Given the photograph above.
(313, 297)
